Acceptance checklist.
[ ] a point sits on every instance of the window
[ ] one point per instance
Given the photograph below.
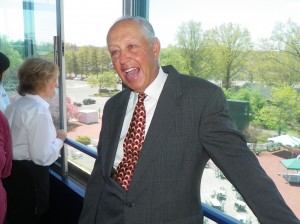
(261, 35)
(90, 79)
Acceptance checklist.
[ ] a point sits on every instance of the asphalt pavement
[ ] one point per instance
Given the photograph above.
(79, 90)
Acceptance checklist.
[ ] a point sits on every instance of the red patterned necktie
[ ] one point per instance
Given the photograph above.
(132, 144)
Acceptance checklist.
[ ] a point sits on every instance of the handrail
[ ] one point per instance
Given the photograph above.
(208, 211)
(81, 147)
(217, 216)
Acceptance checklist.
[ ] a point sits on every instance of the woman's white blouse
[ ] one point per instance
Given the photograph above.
(32, 129)
(4, 99)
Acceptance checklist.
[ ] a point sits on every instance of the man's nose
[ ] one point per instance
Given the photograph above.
(124, 58)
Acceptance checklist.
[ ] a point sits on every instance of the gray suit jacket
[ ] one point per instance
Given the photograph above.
(190, 125)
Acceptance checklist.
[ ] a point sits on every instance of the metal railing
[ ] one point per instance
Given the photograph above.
(208, 211)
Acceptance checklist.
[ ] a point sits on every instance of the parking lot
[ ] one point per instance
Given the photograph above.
(79, 90)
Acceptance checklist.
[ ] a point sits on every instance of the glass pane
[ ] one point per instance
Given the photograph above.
(11, 41)
(27, 29)
(80, 159)
(196, 36)
(39, 27)
(90, 79)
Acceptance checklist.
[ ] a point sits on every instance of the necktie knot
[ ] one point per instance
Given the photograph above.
(141, 97)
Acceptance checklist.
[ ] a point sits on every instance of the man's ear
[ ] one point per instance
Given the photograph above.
(156, 47)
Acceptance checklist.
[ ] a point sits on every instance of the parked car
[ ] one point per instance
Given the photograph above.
(76, 155)
(78, 104)
(104, 90)
(88, 101)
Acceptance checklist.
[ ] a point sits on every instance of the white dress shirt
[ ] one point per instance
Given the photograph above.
(153, 92)
(4, 100)
(32, 129)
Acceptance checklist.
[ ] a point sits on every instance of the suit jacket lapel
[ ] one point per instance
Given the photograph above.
(115, 127)
(160, 124)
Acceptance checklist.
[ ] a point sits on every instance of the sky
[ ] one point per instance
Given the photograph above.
(258, 16)
(87, 22)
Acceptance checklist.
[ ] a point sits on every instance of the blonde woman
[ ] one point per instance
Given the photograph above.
(36, 142)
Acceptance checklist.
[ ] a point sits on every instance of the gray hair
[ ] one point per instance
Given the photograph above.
(144, 23)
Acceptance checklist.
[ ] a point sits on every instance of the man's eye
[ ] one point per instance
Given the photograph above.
(112, 53)
(131, 46)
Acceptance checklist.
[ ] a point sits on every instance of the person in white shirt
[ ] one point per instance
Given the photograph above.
(36, 142)
(4, 65)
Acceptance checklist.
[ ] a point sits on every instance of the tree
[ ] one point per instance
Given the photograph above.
(105, 60)
(71, 63)
(283, 110)
(172, 56)
(284, 45)
(72, 109)
(285, 38)
(190, 38)
(230, 46)
(10, 78)
(94, 61)
(104, 80)
(83, 56)
(257, 102)
(86, 60)
(260, 68)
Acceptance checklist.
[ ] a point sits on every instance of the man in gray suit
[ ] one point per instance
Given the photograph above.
(187, 124)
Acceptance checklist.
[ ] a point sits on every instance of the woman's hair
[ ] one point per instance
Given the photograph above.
(4, 64)
(34, 74)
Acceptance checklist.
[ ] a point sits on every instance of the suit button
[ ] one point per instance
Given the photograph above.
(130, 205)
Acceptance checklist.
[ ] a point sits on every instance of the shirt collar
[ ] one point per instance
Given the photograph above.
(155, 88)
(38, 99)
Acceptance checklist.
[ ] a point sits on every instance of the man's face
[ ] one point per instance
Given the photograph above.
(134, 58)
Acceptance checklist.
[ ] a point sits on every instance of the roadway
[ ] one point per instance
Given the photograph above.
(79, 90)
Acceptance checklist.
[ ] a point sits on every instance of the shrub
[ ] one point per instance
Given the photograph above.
(84, 140)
